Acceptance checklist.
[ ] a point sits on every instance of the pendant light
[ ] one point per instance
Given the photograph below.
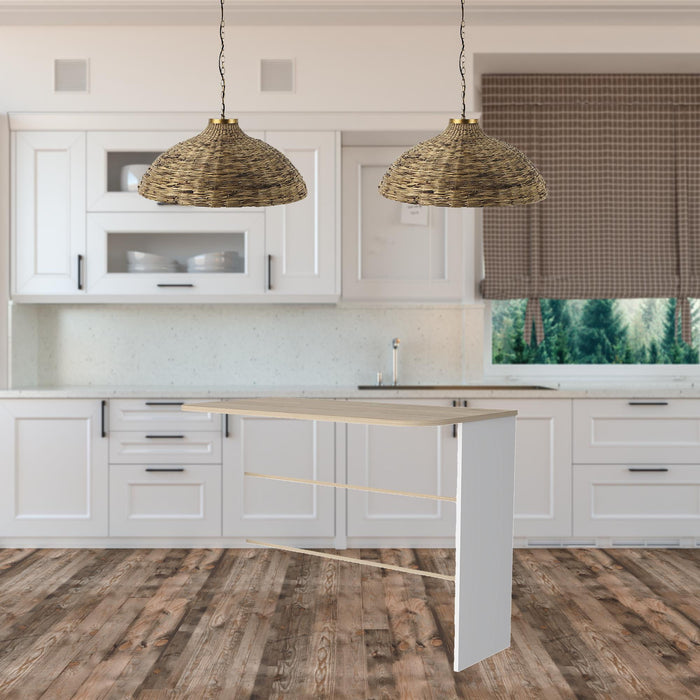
(463, 167)
(223, 166)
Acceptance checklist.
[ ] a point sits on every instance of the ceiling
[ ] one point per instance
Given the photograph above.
(361, 12)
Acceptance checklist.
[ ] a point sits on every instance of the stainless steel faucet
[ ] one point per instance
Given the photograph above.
(395, 345)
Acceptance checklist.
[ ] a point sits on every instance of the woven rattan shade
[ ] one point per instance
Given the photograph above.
(223, 167)
(463, 167)
(621, 156)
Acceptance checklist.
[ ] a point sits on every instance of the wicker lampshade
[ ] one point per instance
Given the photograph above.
(463, 167)
(223, 167)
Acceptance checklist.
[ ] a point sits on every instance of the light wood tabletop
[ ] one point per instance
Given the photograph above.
(342, 411)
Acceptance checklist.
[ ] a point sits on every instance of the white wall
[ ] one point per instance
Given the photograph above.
(339, 68)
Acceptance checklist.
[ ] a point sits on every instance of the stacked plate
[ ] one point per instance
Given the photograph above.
(223, 261)
(148, 262)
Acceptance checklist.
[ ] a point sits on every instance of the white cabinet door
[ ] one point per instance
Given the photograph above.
(175, 238)
(53, 467)
(393, 250)
(289, 448)
(542, 464)
(418, 460)
(165, 501)
(613, 500)
(48, 213)
(108, 152)
(303, 237)
(651, 430)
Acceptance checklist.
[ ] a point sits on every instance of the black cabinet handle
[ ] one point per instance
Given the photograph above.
(647, 469)
(174, 285)
(454, 427)
(165, 469)
(103, 409)
(647, 403)
(465, 403)
(165, 437)
(80, 271)
(165, 403)
(269, 273)
(227, 432)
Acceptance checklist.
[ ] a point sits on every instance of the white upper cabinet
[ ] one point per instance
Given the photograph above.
(48, 213)
(302, 238)
(114, 158)
(394, 251)
(177, 240)
(78, 218)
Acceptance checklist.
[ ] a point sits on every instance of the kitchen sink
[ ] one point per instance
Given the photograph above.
(455, 387)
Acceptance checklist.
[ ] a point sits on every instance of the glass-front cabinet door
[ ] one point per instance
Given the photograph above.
(170, 255)
(116, 160)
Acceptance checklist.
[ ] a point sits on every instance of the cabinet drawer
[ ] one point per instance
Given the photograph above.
(636, 430)
(631, 501)
(165, 447)
(158, 414)
(183, 501)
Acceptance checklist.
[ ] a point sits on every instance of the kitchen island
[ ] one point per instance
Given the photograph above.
(484, 501)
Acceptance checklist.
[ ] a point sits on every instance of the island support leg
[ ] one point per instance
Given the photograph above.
(484, 542)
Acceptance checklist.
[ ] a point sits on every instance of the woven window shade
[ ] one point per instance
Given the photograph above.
(621, 157)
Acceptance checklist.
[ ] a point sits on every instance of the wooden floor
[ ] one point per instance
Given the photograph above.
(238, 624)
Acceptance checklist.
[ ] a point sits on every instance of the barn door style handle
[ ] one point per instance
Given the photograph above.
(165, 437)
(165, 469)
(647, 469)
(647, 403)
(103, 409)
(165, 403)
(81, 260)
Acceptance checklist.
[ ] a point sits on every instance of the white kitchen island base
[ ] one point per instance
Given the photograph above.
(484, 534)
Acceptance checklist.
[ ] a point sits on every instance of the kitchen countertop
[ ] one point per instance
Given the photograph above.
(563, 390)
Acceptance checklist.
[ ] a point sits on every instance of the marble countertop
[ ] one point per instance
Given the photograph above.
(559, 390)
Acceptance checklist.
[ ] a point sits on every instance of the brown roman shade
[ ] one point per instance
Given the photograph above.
(621, 157)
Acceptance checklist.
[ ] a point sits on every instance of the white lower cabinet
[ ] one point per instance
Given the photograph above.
(260, 507)
(53, 468)
(542, 464)
(637, 500)
(165, 500)
(418, 460)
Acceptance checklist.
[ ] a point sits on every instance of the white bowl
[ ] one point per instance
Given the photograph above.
(138, 257)
(222, 261)
(131, 176)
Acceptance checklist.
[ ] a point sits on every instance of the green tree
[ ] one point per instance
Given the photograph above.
(602, 335)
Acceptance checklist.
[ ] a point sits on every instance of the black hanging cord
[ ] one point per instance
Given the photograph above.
(222, 64)
(462, 70)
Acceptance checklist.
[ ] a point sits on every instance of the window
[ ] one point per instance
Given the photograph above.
(594, 332)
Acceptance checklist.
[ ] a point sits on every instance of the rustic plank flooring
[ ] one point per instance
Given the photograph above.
(236, 624)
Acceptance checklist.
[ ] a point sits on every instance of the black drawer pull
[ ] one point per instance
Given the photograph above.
(80, 271)
(647, 469)
(165, 437)
(647, 403)
(174, 285)
(165, 469)
(165, 403)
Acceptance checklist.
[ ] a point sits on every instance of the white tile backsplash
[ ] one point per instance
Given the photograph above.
(243, 345)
